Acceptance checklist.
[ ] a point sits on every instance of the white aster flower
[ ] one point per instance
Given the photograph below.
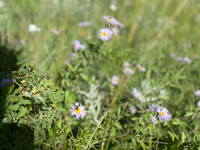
(133, 110)
(187, 60)
(142, 69)
(126, 64)
(78, 46)
(33, 28)
(197, 93)
(137, 95)
(113, 7)
(164, 114)
(78, 110)
(198, 104)
(128, 71)
(115, 30)
(84, 24)
(115, 80)
(111, 20)
(105, 34)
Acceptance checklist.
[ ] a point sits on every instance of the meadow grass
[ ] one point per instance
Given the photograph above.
(153, 30)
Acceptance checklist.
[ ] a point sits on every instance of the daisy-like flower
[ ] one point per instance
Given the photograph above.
(128, 71)
(142, 69)
(133, 110)
(198, 104)
(164, 114)
(78, 110)
(6, 82)
(171, 55)
(78, 46)
(197, 93)
(115, 80)
(153, 120)
(33, 28)
(138, 96)
(84, 24)
(115, 30)
(151, 108)
(73, 55)
(113, 7)
(56, 32)
(111, 20)
(126, 64)
(105, 34)
(187, 60)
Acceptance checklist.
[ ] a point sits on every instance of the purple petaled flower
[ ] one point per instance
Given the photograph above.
(120, 25)
(105, 34)
(153, 120)
(111, 20)
(115, 80)
(115, 30)
(198, 104)
(78, 110)
(151, 108)
(197, 93)
(126, 64)
(137, 95)
(163, 114)
(128, 71)
(187, 60)
(22, 42)
(171, 55)
(6, 82)
(73, 55)
(78, 46)
(142, 69)
(84, 24)
(133, 110)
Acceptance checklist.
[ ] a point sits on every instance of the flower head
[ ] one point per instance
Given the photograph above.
(78, 46)
(151, 108)
(78, 110)
(198, 104)
(128, 71)
(138, 96)
(6, 82)
(115, 80)
(171, 55)
(142, 69)
(187, 60)
(111, 20)
(84, 24)
(105, 34)
(133, 110)
(56, 32)
(153, 120)
(33, 28)
(113, 7)
(22, 42)
(115, 30)
(126, 64)
(163, 114)
(197, 93)
(179, 59)
(120, 25)
(73, 55)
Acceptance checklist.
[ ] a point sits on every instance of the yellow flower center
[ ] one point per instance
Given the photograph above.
(7, 82)
(78, 111)
(116, 80)
(104, 34)
(139, 97)
(140, 68)
(150, 108)
(110, 18)
(162, 113)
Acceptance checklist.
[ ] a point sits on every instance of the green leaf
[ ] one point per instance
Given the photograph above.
(38, 99)
(22, 111)
(25, 102)
(27, 94)
(189, 113)
(14, 114)
(171, 134)
(15, 107)
(86, 78)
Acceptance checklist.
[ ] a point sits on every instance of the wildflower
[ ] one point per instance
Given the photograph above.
(126, 64)
(111, 20)
(171, 55)
(78, 46)
(142, 69)
(187, 60)
(22, 42)
(113, 7)
(163, 114)
(189, 45)
(128, 71)
(73, 55)
(78, 110)
(6, 82)
(151, 108)
(33, 28)
(138, 96)
(56, 31)
(197, 93)
(84, 24)
(120, 25)
(133, 110)
(115, 30)
(153, 120)
(105, 34)
(179, 59)
(198, 104)
(115, 80)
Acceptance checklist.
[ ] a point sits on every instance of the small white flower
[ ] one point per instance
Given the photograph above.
(197, 93)
(115, 80)
(111, 20)
(78, 46)
(33, 28)
(163, 114)
(126, 64)
(78, 110)
(133, 110)
(56, 32)
(84, 24)
(128, 71)
(115, 30)
(198, 104)
(187, 60)
(113, 7)
(137, 95)
(105, 34)
(142, 69)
